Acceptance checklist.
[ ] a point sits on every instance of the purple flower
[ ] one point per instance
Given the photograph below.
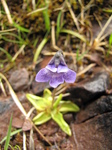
(56, 72)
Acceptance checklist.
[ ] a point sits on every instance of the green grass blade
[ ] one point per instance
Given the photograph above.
(20, 27)
(7, 54)
(12, 133)
(11, 41)
(80, 56)
(76, 34)
(110, 40)
(11, 34)
(41, 45)
(46, 16)
(35, 42)
(58, 29)
(110, 45)
(8, 135)
(46, 19)
(108, 10)
(18, 40)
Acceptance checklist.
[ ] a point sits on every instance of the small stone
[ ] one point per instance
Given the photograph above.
(19, 79)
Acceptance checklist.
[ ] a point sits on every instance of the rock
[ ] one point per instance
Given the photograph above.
(94, 134)
(5, 104)
(19, 79)
(92, 129)
(100, 106)
(92, 88)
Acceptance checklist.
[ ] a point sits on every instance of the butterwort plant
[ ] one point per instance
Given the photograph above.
(56, 73)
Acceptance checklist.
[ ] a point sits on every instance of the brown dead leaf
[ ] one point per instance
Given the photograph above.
(26, 125)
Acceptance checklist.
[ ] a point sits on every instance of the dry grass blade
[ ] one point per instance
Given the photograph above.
(97, 43)
(86, 69)
(37, 10)
(2, 88)
(30, 112)
(65, 54)
(18, 52)
(53, 33)
(73, 15)
(8, 30)
(53, 36)
(14, 96)
(31, 140)
(34, 4)
(24, 141)
(103, 29)
(7, 11)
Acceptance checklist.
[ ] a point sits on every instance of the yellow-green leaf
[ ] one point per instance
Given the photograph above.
(56, 103)
(76, 34)
(41, 118)
(37, 102)
(47, 94)
(68, 106)
(58, 118)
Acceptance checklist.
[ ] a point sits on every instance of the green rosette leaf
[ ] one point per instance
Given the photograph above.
(41, 118)
(68, 106)
(58, 118)
(47, 95)
(38, 102)
(56, 103)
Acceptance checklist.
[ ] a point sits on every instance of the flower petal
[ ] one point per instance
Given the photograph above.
(51, 67)
(56, 80)
(43, 75)
(69, 76)
(62, 68)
